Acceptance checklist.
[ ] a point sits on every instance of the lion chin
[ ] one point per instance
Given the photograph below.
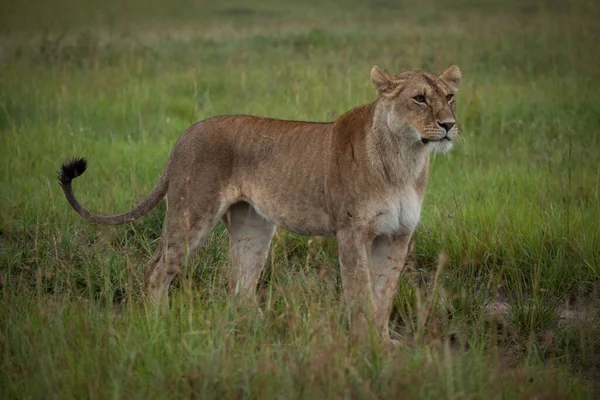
(440, 146)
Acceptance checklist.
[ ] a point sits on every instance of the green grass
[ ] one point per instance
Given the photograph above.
(513, 211)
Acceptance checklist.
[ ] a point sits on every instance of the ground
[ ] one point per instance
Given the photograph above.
(500, 299)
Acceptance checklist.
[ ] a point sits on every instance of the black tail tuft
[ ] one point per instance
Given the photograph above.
(71, 170)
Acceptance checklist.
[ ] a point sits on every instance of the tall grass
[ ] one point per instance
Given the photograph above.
(510, 220)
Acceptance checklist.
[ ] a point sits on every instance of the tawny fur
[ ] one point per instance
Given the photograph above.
(361, 178)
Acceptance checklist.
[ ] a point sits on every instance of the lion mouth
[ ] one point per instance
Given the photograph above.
(425, 140)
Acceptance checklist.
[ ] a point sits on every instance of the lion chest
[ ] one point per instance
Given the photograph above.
(398, 213)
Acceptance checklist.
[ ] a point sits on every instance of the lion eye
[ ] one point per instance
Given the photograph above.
(420, 98)
(449, 97)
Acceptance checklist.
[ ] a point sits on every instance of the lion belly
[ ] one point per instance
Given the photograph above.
(302, 215)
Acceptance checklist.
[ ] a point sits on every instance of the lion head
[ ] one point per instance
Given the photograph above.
(419, 106)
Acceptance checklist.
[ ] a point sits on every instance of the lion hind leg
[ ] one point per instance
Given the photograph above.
(184, 232)
(250, 235)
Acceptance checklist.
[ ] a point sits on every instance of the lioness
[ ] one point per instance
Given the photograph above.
(360, 178)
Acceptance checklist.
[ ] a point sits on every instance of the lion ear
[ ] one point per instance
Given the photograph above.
(382, 81)
(452, 75)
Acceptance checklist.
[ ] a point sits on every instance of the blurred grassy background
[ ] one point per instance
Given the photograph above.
(515, 206)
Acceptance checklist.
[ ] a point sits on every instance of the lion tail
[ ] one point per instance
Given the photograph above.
(77, 166)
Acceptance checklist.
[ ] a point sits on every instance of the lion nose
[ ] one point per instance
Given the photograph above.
(447, 125)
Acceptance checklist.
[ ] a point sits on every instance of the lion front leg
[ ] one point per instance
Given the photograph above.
(356, 282)
(388, 255)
